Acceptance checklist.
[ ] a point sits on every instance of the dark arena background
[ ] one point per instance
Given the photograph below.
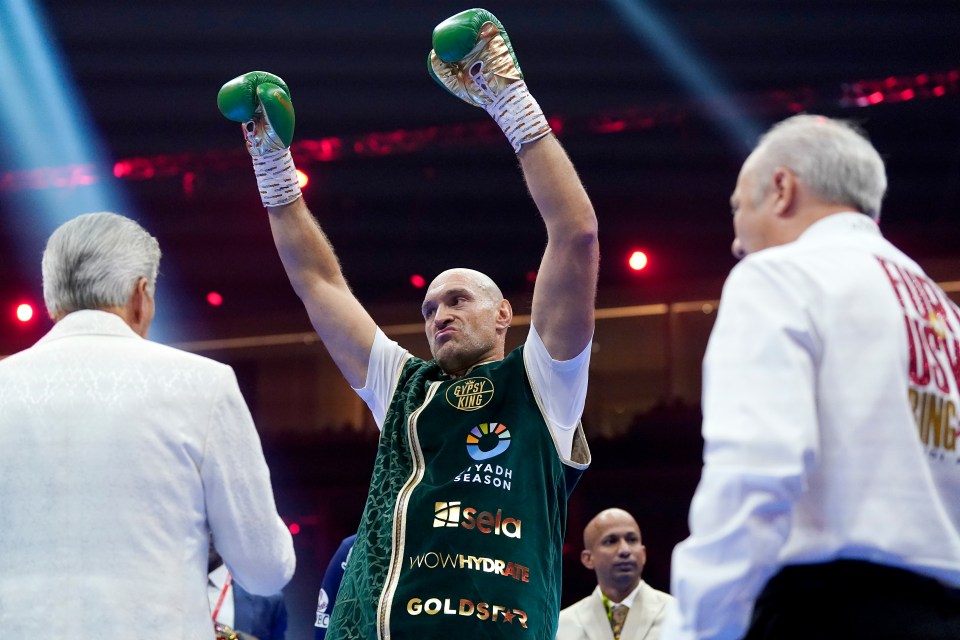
(112, 105)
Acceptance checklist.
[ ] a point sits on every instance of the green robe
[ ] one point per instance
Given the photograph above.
(464, 524)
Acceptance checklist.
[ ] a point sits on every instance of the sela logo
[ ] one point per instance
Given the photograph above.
(468, 609)
(488, 440)
(470, 394)
(434, 560)
(451, 514)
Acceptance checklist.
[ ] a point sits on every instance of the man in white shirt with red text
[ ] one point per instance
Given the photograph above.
(829, 505)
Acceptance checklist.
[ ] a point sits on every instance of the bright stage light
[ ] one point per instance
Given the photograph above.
(302, 178)
(51, 142)
(638, 260)
(24, 312)
(690, 68)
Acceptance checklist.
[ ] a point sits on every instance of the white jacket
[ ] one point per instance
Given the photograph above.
(587, 619)
(117, 457)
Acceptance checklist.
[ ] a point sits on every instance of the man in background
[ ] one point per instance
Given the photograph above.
(622, 606)
(330, 586)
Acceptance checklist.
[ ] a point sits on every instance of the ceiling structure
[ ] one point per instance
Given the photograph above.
(628, 84)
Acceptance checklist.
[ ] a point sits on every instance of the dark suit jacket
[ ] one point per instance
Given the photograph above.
(262, 616)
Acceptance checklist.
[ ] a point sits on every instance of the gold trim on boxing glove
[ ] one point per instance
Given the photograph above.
(488, 77)
(498, 69)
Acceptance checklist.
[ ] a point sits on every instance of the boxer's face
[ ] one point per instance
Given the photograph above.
(461, 321)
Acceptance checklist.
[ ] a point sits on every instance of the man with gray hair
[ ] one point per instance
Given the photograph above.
(829, 504)
(119, 458)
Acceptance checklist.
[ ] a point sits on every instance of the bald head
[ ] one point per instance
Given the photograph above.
(612, 549)
(602, 521)
(483, 283)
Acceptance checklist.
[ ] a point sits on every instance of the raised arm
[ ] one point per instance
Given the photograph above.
(344, 326)
(262, 102)
(474, 60)
(566, 287)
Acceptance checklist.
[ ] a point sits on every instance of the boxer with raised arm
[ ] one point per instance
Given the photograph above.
(479, 449)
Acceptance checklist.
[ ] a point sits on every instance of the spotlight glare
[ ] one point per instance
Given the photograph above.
(418, 281)
(214, 299)
(638, 260)
(24, 312)
(302, 178)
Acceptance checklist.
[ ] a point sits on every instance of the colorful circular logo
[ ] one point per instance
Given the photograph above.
(494, 437)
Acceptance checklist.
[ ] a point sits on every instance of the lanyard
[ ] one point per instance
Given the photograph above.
(607, 607)
(223, 594)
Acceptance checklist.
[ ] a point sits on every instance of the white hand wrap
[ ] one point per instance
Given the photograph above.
(515, 111)
(276, 178)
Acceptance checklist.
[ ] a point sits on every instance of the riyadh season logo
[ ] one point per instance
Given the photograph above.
(487, 440)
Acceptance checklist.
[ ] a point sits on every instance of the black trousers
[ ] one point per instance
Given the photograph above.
(850, 600)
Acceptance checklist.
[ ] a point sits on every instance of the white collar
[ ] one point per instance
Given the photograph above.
(630, 596)
(90, 321)
(847, 221)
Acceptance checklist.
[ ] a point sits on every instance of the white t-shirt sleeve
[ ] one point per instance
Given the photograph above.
(561, 387)
(383, 370)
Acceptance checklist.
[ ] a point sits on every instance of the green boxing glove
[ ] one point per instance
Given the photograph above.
(261, 101)
(473, 59)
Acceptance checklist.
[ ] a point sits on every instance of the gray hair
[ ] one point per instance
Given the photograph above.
(95, 260)
(832, 157)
